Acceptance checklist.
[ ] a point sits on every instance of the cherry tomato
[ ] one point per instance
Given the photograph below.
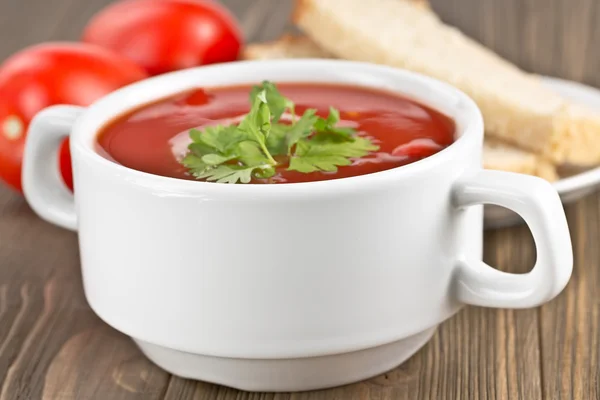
(167, 35)
(49, 74)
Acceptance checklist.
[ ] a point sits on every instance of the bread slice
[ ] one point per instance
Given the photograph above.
(504, 157)
(516, 107)
(287, 46)
(496, 155)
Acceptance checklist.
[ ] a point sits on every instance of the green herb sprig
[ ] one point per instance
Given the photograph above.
(250, 149)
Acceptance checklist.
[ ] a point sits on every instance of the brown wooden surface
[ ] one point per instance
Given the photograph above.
(52, 346)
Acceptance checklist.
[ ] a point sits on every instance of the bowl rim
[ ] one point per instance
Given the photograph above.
(460, 107)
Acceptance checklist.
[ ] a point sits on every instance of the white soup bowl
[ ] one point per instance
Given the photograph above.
(296, 286)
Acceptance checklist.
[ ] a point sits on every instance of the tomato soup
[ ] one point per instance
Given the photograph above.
(154, 138)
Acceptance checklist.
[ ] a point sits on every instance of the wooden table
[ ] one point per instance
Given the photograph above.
(52, 346)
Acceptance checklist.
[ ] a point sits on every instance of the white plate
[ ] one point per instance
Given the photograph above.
(575, 186)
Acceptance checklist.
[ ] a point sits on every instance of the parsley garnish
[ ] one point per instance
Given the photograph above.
(250, 149)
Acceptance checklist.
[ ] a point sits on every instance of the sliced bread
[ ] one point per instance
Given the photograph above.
(516, 107)
(496, 155)
(287, 46)
(504, 157)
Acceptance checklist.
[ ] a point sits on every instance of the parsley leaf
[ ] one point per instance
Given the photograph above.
(276, 101)
(216, 159)
(249, 153)
(283, 137)
(276, 142)
(328, 125)
(301, 129)
(234, 173)
(194, 164)
(207, 167)
(216, 139)
(257, 123)
(324, 154)
(239, 153)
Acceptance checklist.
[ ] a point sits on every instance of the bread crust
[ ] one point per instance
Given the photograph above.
(516, 107)
(287, 46)
(504, 157)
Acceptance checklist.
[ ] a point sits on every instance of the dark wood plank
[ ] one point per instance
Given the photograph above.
(51, 345)
(121, 372)
(571, 326)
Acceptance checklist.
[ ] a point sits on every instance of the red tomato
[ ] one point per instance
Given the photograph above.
(49, 74)
(167, 35)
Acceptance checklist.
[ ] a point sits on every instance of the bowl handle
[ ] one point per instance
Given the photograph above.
(43, 186)
(538, 203)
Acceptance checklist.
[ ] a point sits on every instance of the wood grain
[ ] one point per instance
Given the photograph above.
(550, 37)
(53, 347)
(121, 372)
(571, 327)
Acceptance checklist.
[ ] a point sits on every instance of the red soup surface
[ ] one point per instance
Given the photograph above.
(154, 137)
